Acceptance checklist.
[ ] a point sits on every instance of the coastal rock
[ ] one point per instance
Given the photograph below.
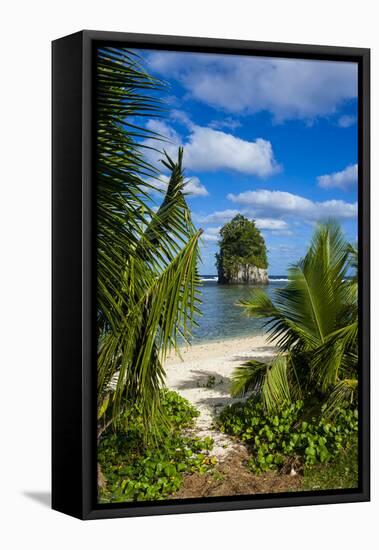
(245, 274)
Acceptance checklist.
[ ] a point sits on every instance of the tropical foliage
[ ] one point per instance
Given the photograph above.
(148, 295)
(287, 438)
(314, 323)
(241, 243)
(134, 470)
(146, 256)
(343, 473)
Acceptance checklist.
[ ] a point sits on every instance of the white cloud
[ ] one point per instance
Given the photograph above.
(182, 117)
(342, 180)
(193, 185)
(345, 121)
(223, 216)
(165, 131)
(211, 234)
(280, 203)
(228, 122)
(271, 223)
(220, 216)
(207, 149)
(287, 88)
(155, 146)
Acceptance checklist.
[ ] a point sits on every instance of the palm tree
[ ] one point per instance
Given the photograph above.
(147, 281)
(314, 323)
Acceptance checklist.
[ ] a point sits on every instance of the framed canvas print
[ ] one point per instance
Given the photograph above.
(210, 274)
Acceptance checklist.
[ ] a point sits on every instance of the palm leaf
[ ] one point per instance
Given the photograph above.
(338, 352)
(313, 319)
(270, 381)
(121, 186)
(146, 261)
(344, 394)
(248, 377)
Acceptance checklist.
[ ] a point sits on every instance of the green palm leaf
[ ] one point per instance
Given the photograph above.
(148, 285)
(343, 394)
(313, 320)
(271, 380)
(337, 355)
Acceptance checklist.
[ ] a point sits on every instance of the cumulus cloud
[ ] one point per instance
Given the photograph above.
(345, 121)
(271, 223)
(207, 149)
(223, 216)
(193, 185)
(182, 117)
(228, 122)
(281, 203)
(211, 234)
(171, 137)
(345, 179)
(220, 216)
(287, 88)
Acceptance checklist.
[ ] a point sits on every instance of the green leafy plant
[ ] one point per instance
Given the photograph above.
(277, 438)
(136, 470)
(314, 323)
(147, 281)
(343, 475)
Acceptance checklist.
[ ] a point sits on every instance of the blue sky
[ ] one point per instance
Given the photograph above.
(274, 139)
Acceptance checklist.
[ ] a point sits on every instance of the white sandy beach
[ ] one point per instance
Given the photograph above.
(203, 374)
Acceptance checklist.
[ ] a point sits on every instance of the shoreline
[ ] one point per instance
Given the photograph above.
(218, 347)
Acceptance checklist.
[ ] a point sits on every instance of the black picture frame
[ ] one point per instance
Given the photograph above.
(73, 335)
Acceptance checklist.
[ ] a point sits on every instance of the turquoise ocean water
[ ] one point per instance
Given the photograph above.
(221, 318)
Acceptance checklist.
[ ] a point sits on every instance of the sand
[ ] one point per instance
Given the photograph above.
(202, 375)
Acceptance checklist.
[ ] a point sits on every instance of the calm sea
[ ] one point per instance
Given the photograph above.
(221, 317)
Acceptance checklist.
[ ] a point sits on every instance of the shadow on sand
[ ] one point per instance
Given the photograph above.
(216, 404)
(258, 353)
(208, 379)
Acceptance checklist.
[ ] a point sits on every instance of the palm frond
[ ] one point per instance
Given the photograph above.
(276, 389)
(270, 381)
(314, 293)
(248, 377)
(123, 92)
(344, 394)
(338, 352)
(313, 318)
(147, 281)
(171, 226)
